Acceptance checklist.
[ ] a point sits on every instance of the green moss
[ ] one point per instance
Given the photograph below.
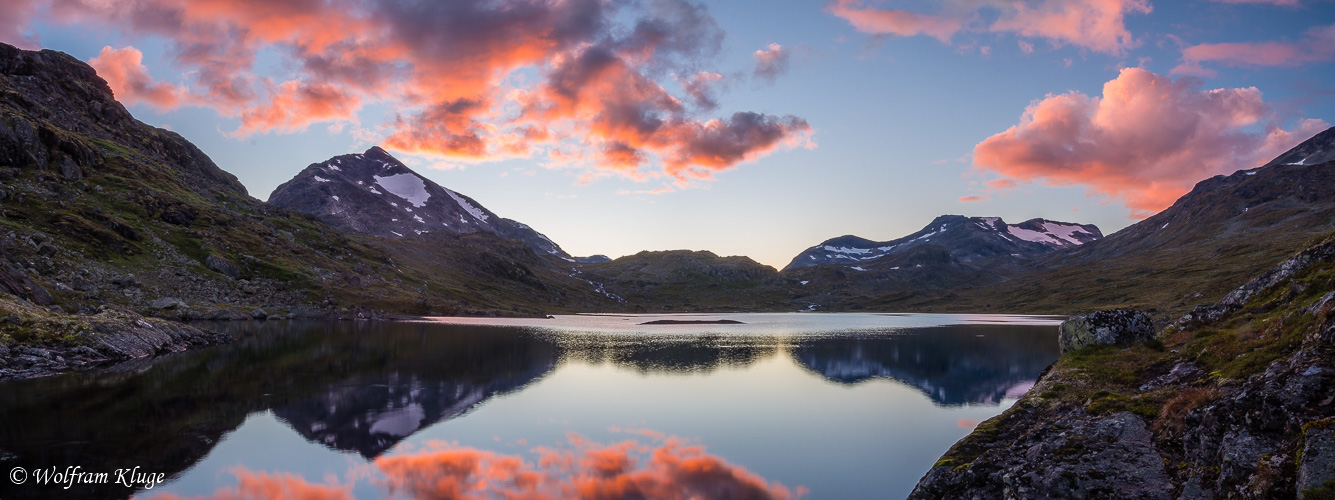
(1108, 402)
(1324, 492)
(111, 146)
(189, 245)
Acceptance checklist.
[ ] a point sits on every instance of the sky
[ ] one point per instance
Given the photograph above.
(741, 127)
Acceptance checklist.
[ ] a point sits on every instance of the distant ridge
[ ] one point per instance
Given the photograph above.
(965, 238)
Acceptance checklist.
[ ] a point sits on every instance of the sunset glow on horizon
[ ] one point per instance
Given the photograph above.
(743, 128)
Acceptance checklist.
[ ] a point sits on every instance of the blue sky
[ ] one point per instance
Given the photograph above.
(875, 121)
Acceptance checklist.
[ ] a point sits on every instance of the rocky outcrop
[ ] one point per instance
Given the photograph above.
(1235, 299)
(54, 343)
(1112, 327)
(1116, 459)
(1238, 406)
(222, 266)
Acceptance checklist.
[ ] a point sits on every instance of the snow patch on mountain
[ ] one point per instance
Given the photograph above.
(1053, 233)
(847, 250)
(472, 210)
(407, 186)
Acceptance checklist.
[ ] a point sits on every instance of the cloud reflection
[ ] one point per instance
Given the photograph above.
(667, 467)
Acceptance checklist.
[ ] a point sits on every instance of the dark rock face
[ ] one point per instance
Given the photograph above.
(1113, 327)
(965, 238)
(1117, 460)
(66, 95)
(1318, 464)
(15, 283)
(374, 193)
(1246, 433)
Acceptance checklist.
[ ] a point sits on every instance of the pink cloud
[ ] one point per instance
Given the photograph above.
(1146, 141)
(701, 88)
(973, 198)
(14, 18)
(895, 22)
(1316, 45)
(124, 71)
(449, 68)
(1097, 25)
(771, 62)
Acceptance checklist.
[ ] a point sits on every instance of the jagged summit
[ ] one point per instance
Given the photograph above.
(965, 238)
(374, 193)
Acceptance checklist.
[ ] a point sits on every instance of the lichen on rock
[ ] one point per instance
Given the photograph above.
(1112, 327)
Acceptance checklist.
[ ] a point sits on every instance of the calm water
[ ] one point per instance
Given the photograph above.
(821, 406)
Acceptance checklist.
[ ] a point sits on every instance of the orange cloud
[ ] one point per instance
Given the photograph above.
(1146, 141)
(456, 72)
(263, 486)
(1316, 45)
(666, 469)
(124, 71)
(295, 105)
(973, 198)
(1098, 25)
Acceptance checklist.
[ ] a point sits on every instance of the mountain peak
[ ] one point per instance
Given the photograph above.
(377, 152)
(1320, 148)
(374, 193)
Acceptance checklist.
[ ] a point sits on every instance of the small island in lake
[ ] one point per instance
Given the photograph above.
(693, 322)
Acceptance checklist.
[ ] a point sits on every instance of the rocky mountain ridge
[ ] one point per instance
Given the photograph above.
(966, 239)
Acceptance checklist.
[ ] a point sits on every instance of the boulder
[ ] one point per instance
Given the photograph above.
(167, 303)
(1318, 458)
(222, 266)
(226, 315)
(126, 281)
(259, 314)
(1114, 327)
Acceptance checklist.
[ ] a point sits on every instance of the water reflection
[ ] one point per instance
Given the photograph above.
(669, 354)
(953, 365)
(365, 387)
(648, 466)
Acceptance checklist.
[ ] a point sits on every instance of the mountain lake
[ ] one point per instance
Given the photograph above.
(783, 405)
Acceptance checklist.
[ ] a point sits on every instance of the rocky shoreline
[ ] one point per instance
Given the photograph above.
(1233, 401)
(38, 343)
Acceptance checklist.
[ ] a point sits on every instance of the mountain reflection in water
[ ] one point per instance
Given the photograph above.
(366, 387)
(953, 365)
